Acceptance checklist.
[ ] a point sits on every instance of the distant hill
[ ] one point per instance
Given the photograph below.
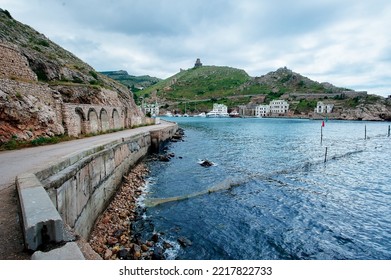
(284, 80)
(200, 83)
(196, 89)
(205, 85)
(135, 83)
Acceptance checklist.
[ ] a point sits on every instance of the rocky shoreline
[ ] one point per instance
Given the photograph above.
(113, 237)
(115, 234)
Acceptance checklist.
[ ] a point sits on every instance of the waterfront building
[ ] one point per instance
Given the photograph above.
(279, 107)
(322, 108)
(247, 110)
(262, 110)
(152, 108)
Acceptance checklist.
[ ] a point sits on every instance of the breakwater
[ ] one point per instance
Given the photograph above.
(75, 191)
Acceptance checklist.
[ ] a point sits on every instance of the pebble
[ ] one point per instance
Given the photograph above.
(108, 254)
(112, 240)
(123, 254)
(144, 248)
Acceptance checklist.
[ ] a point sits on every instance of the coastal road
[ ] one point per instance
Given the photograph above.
(16, 162)
(33, 159)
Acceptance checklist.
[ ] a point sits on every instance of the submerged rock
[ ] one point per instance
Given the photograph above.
(184, 242)
(206, 163)
(157, 254)
(164, 158)
(155, 238)
(166, 245)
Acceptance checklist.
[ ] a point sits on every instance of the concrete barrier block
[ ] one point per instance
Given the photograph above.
(41, 221)
(70, 251)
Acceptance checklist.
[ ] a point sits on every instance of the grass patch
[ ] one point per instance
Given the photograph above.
(15, 144)
(305, 106)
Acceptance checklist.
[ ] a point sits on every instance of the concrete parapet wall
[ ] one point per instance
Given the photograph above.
(160, 137)
(41, 221)
(76, 190)
(82, 190)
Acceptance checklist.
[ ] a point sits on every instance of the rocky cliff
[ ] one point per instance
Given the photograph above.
(37, 77)
(285, 80)
(369, 110)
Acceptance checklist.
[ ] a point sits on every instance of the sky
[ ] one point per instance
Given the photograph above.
(344, 42)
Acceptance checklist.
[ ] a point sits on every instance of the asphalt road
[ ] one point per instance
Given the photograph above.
(33, 159)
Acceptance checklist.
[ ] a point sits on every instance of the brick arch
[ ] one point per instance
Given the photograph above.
(127, 120)
(104, 120)
(93, 121)
(79, 121)
(116, 119)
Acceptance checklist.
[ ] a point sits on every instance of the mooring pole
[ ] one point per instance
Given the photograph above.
(365, 132)
(389, 128)
(321, 135)
(325, 156)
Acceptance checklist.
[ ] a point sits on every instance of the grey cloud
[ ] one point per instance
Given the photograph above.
(344, 40)
(146, 17)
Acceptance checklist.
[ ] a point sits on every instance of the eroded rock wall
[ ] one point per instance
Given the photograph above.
(30, 108)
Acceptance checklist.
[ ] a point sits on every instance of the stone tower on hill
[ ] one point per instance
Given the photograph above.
(197, 63)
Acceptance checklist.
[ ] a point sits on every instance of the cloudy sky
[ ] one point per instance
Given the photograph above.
(345, 42)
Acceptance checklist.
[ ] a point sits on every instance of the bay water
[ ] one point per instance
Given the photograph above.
(273, 193)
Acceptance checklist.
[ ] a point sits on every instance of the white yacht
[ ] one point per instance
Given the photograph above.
(219, 111)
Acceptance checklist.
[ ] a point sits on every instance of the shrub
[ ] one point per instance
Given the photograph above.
(10, 145)
(94, 75)
(8, 14)
(43, 42)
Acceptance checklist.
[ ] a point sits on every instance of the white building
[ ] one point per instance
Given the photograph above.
(262, 110)
(219, 110)
(279, 107)
(152, 108)
(322, 108)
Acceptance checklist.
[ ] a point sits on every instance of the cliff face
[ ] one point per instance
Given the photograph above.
(37, 77)
(379, 111)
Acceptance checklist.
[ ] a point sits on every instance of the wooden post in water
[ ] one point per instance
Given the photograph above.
(321, 135)
(325, 156)
(365, 132)
(389, 128)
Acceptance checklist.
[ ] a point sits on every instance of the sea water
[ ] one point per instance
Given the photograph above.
(273, 192)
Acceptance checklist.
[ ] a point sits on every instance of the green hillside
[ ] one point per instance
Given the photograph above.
(199, 87)
(196, 89)
(199, 83)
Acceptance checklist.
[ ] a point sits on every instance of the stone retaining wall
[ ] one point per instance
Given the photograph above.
(14, 65)
(81, 187)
